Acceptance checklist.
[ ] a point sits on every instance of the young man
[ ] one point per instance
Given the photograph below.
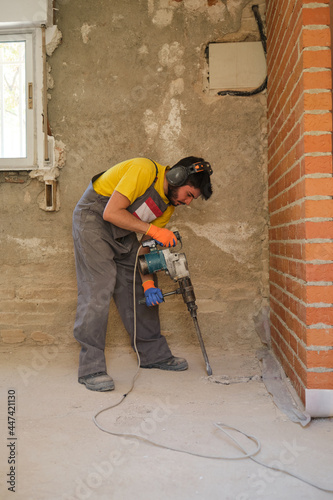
(119, 203)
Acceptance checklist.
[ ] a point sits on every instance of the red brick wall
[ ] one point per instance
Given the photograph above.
(301, 189)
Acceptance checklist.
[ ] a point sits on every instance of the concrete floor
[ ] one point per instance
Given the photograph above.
(61, 455)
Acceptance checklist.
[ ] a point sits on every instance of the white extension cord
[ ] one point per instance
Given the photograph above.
(221, 426)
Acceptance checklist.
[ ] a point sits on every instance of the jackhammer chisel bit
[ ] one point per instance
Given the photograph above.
(202, 345)
(189, 299)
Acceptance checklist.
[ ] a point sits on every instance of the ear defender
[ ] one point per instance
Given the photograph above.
(178, 175)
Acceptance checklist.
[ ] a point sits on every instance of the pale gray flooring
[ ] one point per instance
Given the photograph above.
(61, 455)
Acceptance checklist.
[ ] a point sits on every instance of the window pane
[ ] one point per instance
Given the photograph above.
(12, 100)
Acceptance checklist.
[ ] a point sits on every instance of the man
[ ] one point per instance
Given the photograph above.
(119, 203)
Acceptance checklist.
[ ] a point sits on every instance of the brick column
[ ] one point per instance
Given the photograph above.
(300, 196)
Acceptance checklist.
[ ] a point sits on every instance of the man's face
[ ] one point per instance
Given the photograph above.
(182, 195)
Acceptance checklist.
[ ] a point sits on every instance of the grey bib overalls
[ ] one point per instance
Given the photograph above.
(104, 259)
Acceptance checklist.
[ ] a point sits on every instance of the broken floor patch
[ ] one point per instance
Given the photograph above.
(226, 380)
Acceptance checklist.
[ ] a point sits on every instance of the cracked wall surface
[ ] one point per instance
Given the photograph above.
(130, 79)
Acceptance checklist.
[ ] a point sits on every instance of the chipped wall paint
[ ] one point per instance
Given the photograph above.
(36, 248)
(53, 38)
(232, 238)
(162, 11)
(170, 58)
(85, 31)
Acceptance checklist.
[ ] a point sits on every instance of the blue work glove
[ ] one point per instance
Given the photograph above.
(153, 295)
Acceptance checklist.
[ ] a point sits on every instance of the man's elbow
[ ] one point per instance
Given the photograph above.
(106, 215)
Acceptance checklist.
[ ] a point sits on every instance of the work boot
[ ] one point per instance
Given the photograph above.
(100, 381)
(173, 364)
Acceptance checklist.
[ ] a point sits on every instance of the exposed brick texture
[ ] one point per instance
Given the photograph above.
(301, 189)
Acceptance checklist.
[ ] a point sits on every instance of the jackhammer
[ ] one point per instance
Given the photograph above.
(175, 265)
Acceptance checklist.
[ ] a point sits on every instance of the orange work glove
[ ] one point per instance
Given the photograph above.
(162, 236)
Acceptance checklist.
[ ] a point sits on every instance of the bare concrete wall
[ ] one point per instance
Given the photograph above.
(130, 79)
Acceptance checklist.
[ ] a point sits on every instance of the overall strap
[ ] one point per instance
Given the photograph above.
(97, 176)
(156, 174)
(155, 169)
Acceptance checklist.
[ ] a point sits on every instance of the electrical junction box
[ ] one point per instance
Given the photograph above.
(236, 65)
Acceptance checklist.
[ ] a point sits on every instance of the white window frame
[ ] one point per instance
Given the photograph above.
(34, 75)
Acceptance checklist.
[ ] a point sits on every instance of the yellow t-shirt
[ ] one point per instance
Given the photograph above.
(132, 178)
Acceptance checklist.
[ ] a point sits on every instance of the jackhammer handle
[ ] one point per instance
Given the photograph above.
(148, 243)
(143, 301)
(176, 233)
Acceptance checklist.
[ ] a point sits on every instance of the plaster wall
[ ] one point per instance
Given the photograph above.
(130, 79)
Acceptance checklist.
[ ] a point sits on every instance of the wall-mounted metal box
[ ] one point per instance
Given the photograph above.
(236, 65)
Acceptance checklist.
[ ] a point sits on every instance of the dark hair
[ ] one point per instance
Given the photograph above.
(200, 180)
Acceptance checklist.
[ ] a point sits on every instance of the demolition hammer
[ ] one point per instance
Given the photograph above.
(175, 265)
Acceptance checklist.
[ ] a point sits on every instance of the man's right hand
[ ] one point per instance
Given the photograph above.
(162, 236)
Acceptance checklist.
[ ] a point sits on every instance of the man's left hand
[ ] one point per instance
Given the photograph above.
(153, 295)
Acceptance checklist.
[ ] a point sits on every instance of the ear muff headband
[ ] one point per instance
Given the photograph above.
(177, 176)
